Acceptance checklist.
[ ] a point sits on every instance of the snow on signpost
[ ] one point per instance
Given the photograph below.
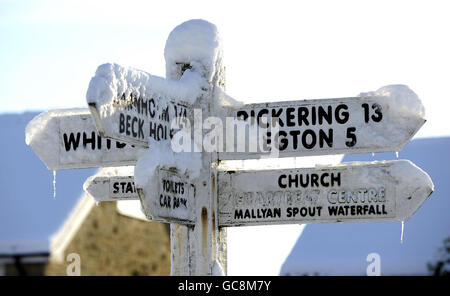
(381, 121)
(131, 105)
(189, 190)
(68, 139)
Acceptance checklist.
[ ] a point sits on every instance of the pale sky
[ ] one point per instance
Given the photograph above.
(274, 50)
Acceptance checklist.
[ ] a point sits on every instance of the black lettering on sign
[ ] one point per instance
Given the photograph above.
(335, 178)
(242, 114)
(116, 187)
(312, 141)
(171, 186)
(137, 128)
(180, 111)
(323, 137)
(87, 140)
(99, 142)
(71, 142)
(341, 117)
(179, 201)
(277, 114)
(290, 116)
(127, 125)
(294, 135)
(165, 201)
(176, 203)
(158, 131)
(375, 117)
(303, 183)
(309, 139)
(257, 213)
(142, 106)
(313, 115)
(327, 115)
(162, 132)
(132, 127)
(141, 129)
(357, 210)
(121, 123)
(351, 136)
(123, 184)
(378, 115)
(309, 180)
(314, 180)
(123, 187)
(303, 116)
(153, 130)
(120, 145)
(280, 181)
(151, 108)
(292, 212)
(130, 187)
(323, 181)
(283, 142)
(165, 114)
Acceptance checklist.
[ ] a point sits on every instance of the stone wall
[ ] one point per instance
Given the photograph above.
(112, 244)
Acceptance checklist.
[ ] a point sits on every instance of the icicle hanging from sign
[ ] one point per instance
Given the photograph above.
(54, 184)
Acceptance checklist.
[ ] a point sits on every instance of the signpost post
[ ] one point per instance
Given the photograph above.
(133, 106)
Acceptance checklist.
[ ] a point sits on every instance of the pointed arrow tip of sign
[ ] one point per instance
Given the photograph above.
(417, 189)
(88, 183)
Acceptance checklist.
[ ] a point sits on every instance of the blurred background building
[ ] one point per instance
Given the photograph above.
(38, 232)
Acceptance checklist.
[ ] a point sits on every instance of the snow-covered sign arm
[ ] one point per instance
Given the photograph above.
(105, 188)
(111, 184)
(68, 139)
(131, 105)
(381, 121)
(349, 192)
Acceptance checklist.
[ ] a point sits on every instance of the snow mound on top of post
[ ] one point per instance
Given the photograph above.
(111, 81)
(195, 43)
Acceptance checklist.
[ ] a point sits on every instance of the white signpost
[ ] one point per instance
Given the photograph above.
(135, 107)
(68, 139)
(111, 188)
(349, 192)
(364, 124)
